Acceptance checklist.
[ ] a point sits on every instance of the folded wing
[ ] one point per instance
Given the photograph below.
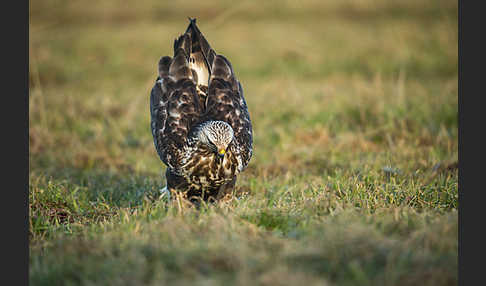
(226, 102)
(174, 106)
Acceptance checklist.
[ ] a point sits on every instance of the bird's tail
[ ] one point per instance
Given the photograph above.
(193, 57)
(200, 46)
(197, 52)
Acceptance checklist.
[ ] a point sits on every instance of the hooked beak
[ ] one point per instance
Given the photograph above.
(221, 152)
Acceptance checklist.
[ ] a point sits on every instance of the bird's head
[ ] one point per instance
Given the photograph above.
(216, 135)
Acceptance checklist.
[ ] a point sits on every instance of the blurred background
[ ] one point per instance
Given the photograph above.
(368, 74)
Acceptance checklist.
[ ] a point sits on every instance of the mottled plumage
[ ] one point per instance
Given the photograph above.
(199, 119)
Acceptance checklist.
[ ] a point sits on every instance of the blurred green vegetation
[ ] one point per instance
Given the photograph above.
(353, 180)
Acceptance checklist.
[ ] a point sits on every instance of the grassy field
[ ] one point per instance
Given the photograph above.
(353, 180)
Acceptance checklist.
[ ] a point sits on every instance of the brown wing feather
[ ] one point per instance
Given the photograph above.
(174, 106)
(226, 102)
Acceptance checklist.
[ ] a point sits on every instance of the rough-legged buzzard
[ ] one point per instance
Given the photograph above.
(199, 119)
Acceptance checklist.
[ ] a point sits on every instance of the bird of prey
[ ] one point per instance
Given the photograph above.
(199, 119)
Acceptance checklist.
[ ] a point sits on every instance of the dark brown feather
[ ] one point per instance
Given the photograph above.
(227, 103)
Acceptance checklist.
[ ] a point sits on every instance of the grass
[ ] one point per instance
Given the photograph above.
(353, 180)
